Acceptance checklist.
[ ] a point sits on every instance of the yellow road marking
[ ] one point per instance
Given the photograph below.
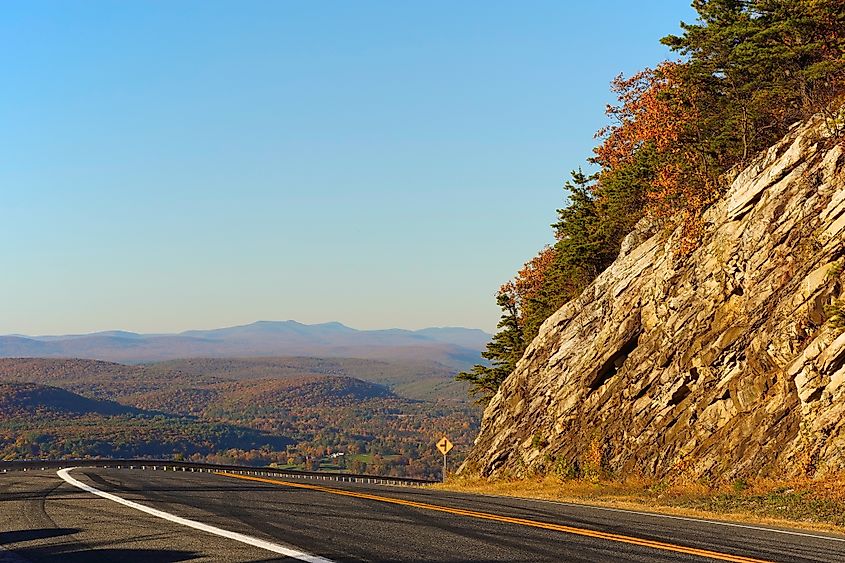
(511, 520)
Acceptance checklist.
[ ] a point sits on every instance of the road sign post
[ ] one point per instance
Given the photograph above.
(445, 446)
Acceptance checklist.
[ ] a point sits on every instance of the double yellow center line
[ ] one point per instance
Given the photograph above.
(510, 520)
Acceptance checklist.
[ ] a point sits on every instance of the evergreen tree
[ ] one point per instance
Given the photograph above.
(759, 66)
(503, 351)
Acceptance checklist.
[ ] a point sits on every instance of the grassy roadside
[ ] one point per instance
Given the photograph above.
(808, 504)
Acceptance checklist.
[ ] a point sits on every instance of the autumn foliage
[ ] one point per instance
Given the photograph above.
(657, 115)
(651, 110)
(748, 70)
(81, 408)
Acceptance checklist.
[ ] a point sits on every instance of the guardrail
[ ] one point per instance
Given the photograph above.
(189, 466)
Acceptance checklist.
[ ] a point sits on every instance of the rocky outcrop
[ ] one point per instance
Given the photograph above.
(719, 364)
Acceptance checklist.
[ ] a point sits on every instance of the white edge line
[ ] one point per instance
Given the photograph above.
(243, 538)
(671, 517)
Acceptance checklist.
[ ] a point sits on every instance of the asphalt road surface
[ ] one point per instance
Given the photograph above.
(126, 515)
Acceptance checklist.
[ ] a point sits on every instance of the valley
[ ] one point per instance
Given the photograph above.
(349, 414)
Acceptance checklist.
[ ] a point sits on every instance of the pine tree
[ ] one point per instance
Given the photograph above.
(503, 351)
(759, 66)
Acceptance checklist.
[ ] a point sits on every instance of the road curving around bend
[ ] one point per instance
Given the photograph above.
(132, 515)
(64, 474)
(663, 546)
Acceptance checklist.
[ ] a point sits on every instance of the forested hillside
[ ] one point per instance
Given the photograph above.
(39, 421)
(414, 379)
(745, 72)
(234, 411)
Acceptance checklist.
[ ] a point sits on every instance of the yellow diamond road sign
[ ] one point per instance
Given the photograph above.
(444, 445)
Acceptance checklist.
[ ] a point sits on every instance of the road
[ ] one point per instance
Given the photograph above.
(44, 518)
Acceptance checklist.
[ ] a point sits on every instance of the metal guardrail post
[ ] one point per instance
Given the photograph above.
(7, 466)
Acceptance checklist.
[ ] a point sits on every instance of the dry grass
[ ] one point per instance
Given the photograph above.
(809, 504)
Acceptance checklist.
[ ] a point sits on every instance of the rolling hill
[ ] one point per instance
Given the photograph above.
(40, 421)
(413, 379)
(256, 410)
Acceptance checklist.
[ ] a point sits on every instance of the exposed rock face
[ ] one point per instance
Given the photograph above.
(720, 364)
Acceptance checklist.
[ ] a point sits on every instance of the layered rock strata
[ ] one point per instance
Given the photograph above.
(724, 363)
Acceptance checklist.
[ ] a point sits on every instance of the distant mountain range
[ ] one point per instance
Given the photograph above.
(451, 346)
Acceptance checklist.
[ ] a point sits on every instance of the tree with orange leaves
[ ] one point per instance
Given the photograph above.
(654, 133)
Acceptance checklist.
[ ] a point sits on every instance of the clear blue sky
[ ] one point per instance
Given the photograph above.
(174, 165)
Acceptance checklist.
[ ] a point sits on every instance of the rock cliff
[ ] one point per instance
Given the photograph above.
(724, 363)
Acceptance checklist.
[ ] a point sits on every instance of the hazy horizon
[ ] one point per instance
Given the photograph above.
(209, 328)
(171, 166)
